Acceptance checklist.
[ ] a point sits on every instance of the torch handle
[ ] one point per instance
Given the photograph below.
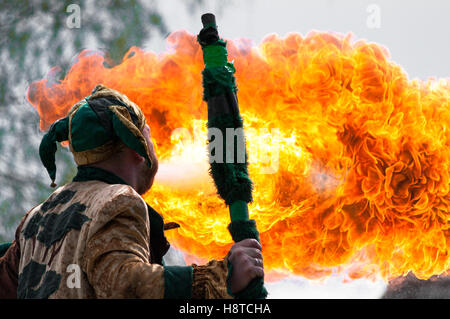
(232, 180)
(208, 35)
(208, 18)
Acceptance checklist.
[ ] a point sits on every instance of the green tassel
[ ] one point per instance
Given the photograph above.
(58, 132)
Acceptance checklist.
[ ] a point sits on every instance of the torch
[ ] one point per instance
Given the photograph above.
(227, 150)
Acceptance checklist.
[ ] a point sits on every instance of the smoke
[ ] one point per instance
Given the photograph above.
(322, 179)
(182, 176)
(410, 287)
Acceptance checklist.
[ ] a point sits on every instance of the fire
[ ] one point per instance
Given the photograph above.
(350, 159)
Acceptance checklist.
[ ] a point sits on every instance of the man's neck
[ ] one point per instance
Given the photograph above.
(124, 174)
(89, 173)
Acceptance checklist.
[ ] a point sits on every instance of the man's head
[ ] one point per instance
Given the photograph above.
(132, 167)
(107, 130)
(147, 174)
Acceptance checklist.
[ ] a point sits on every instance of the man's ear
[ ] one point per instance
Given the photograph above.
(136, 157)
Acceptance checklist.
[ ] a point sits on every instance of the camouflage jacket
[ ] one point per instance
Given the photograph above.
(92, 239)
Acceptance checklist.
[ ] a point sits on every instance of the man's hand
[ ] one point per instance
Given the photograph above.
(246, 258)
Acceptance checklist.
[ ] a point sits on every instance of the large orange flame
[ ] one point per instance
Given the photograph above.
(350, 160)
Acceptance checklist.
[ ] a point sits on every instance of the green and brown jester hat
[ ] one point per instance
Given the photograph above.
(93, 127)
(96, 128)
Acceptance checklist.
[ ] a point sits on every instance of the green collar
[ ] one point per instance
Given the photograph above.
(89, 173)
(158, 242)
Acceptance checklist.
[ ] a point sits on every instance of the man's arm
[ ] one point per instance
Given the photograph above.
(9, 267)
(117, 260)
(210, 281)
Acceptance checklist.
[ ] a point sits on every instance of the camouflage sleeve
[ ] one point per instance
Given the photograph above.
(116, 259)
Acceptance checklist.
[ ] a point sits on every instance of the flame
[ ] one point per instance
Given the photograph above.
(350, 159)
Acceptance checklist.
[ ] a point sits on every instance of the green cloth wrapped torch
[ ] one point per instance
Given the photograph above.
(228, 155)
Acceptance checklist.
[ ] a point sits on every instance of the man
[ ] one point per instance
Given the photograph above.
(98, 226)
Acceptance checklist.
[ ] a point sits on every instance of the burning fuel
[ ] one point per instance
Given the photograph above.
(356, 178)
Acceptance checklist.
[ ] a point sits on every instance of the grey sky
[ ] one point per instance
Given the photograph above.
(416, 33)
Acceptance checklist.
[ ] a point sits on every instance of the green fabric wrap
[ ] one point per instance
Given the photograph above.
(215, 55)
(218, 75)
(178, 282)
(3, 248)
(242, 229)
(58, 132)
(231, 179)
(238, 210)
(218, 80)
